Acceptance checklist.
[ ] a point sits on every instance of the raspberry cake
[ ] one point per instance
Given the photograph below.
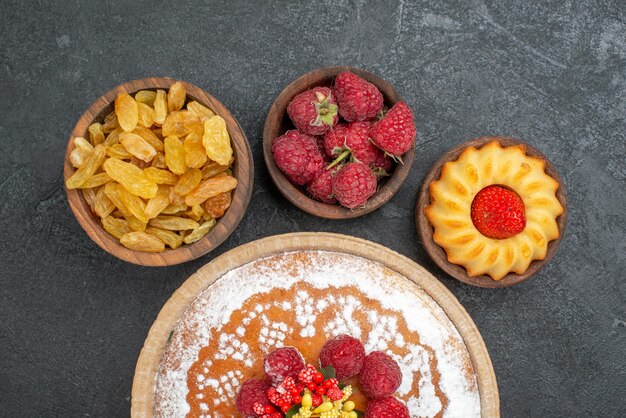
(301, 301)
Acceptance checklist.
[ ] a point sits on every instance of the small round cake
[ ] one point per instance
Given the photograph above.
(303, 299)
(494, 210)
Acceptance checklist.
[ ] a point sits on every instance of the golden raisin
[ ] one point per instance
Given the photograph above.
(176, 97)
(216, 140)
(171, 239)
(126, 111)
(141, 241)
(110, 123)
(116, 227)
(131, 177)
(181, 123)
(149, 137)
(87, 169)
(212, 169)
(146, 97)
(209, 188)
(161, 176)
(96, 134)
(199, 110)
(195, 154)
(103, 205)
(137, 146)
(175, 223)
(146, 115)
(188, 181)
(175, 155)
(118, 151)
(158, 203)
(160, 107)
(199, 232)
(96, 180)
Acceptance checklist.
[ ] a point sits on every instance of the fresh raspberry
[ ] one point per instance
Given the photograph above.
(317, 399)
(283, 362)
(498, 212)
(382, 166)
(334, 393)
(345, 354)
(395, 132)
(359, 143)
(313, 112)
(289, 383)
(380, 375)
(263, 410)
(297, 156)
(253, 391)
(306, 375)
(321, 188)
(320, 147)
(358, 99)
(354, 184)
(388, 407)
(335, 140)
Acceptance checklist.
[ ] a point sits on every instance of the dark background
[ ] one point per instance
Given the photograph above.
(73, 318)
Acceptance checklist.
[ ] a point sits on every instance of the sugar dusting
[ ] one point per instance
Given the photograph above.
(422, 315)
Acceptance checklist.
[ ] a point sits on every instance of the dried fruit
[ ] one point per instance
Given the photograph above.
(110, 123)
(116, 227)
(126, 111)
(158, 203)
(146, 115)
(134, 204)
(96, 134)
(199, 232)
(103, 205)
(216, 140)
(118, 151)
(87, 169)
(171, 239)
(141, 241)
(188, 182)
(159, 161)
(176, 97)
(161, 176)
(216, 206)
(113, 137)
(150, 137)
(78, 157)
(181, 123)
(195, 154)
(145, 97)
(175, 155)
(174, 223)
(137, 146)
(160, 107)
(131, 177)
(209, 188)
(212, 169)
(199, 110)
(96, 180)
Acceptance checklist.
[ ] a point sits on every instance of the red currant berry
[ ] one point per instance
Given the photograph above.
(285, 407)
(269, 409)
(311, 386)
(318, 378)
(296, 399)
(321, 390)
(328, 384)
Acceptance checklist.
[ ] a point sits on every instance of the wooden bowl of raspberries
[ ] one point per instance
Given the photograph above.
(339, 142)
(158, 172)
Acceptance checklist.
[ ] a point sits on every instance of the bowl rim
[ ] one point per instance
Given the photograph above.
(243, 170)
(294, 194)
(438, 255)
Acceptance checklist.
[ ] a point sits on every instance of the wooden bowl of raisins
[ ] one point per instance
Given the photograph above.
(158, 172)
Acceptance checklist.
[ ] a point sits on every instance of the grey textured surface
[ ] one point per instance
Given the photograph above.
(73, 318)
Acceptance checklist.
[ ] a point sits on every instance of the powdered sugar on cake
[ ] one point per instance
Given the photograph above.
(434, 361)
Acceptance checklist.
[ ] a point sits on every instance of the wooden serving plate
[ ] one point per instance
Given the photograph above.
(142, 399)
(278, 122)
(425, 230)
(243, 170)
